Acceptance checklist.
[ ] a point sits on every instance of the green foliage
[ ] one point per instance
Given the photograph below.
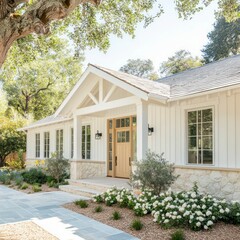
(137, 224)
(17, 164)
(24, 186)
(36, 188)
(98, 209)
(57, 167)
(140, 68)
(11, 140)
(5, 177)
(18, 180)
(224, 40)
(179, 62)
(34, 175)
(153, 173)
(81, 203)
(178, 235)
(116, 215)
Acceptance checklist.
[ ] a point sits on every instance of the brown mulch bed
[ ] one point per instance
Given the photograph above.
(151, 230)
(24, 230)
(44, 187)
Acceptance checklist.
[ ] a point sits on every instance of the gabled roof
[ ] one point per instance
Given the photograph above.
(146, 85)
(216, 75)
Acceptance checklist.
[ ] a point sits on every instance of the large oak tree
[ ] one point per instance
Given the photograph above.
(91, 21)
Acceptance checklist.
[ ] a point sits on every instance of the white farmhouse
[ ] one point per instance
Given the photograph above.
(110, 118)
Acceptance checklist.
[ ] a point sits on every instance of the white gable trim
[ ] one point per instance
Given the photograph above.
(118, 82)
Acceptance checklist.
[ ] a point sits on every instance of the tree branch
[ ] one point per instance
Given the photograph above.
(41, 89)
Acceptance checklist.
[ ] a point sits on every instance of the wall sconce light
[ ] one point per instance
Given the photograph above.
(98, 135)
(150, 130)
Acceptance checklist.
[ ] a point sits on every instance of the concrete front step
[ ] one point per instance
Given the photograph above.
(82, 191)
(92, 186)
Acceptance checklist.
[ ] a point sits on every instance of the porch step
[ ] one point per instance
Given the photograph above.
(87, 185)
(82, 191)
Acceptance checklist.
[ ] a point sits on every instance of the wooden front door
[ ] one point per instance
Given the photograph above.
(123, 153)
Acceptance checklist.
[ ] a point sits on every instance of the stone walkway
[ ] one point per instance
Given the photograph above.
(45, 210)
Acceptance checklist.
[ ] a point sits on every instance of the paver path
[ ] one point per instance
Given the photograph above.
(45, 209)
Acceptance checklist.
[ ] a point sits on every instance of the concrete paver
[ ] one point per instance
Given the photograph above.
(45, 210)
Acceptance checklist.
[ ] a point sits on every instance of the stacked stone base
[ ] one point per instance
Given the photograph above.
(222, 183)
(87, 169)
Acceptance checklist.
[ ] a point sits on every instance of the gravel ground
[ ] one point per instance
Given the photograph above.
(151, 230)
(29, 190)
(24, 231)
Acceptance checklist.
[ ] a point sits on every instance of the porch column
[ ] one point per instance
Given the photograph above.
(142, 130)
(77, 127)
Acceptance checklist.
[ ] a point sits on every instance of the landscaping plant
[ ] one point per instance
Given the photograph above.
(116, 215)
(178, 235)
(137, 224)
(34, 175)
(98, 209)
(24, 186)
(36, 188)
(81, 203)
(176, 209)
(153, 173)
(57, 167)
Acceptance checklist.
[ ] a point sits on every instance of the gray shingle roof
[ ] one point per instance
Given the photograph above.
(146, 85)
(211, 76)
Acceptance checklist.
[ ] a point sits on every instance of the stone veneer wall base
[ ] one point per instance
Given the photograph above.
(87, 169)
(222, 183)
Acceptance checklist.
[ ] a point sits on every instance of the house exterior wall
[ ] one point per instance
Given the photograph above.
(170, 136)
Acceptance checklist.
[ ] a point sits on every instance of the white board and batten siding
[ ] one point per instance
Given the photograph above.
(170, 127)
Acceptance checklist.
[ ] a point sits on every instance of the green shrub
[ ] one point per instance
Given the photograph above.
(17, 163)
(81, 203)
(137, 224)
(58, 168)
(116, 215)
(24, 186)
(18, 180)
(5, 178)
(36, 188)
(153, 173)
(98, 209)
(178, 235)
(34, 175)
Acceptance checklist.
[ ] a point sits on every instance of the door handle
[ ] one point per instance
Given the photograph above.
(115, 160)
(130, 162)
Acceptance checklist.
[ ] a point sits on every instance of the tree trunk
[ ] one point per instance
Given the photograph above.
(36, 19)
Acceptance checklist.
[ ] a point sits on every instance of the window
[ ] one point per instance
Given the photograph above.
(86, 142)
(46, 144)
(37, 145)
(59, 142)
(72, 143)
(200, 136)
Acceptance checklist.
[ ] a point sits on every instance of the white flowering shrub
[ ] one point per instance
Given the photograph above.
(193, 209)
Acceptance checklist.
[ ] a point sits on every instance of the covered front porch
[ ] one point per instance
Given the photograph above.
(110, 129)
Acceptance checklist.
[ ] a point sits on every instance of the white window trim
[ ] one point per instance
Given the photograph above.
(91, 136)
(56, 139)
(213, 134)
(36, 145)
(71, 142)
(48, 144)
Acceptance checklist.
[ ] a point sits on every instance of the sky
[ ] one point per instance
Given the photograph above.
(158, 41)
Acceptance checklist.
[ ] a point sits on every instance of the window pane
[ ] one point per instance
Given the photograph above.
(88, 155)
(192, 156)
(88, 146)
(127, 136)
(199, 129)
(207, 115)
(123, 137)
(199, 143)
(123, 122)
(199, 116)
(207, 129)
(119, 136)
(192, 118)
(110, 156)
(207, 142)
(110, 146)
(118, 123)
(192, 143)
(110, 137)
(88, 138)
(110, 124)
(127, 122)
(207, 157)
(110, 165)
(192, 130)
(134, 120)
